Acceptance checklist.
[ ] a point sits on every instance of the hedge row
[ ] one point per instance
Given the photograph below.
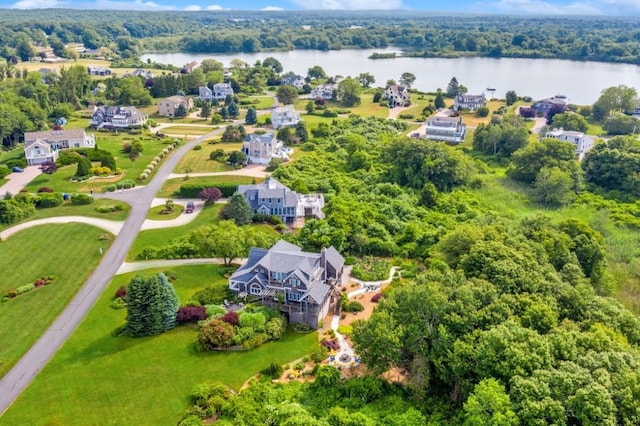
(191, 190)
(156, 160)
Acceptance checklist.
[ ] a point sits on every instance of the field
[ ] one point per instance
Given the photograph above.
(112, 142)
(197, 161)
(99, 379)
(35, 66)
(26, 256)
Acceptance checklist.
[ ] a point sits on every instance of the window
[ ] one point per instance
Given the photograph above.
(294, 281)
(255, 289)
(293, 296)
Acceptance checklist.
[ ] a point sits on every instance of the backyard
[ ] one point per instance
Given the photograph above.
(28, 315)
(198, 161)
(99, 379)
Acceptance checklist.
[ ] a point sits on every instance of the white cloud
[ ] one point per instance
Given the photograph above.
(192, 7)
(349, 4)
(125, 5)
(37, 4)
(214, 7)
(539, 7)
(621, 6)
(268, 8)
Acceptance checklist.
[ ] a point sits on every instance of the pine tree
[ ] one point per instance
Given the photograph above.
(453, 88)
(237, 209)
(84, 167)
(252, 117)
(181, 111)
(145, 306)
(206, 110)
(233, 109)
(439, 100)
(170, 302)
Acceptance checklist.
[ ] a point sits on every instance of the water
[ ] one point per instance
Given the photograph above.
(581, 82)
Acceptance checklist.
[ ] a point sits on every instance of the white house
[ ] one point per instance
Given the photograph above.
(205, 94)
(469, 102)
(323, 91)
(582, 142)
(446, 129)
(44, 146)
(296, 81)
(284, 116)
(397, 95)
(260, 149)
(222, 90)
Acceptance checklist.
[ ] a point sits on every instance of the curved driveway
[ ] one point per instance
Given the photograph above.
(19, 377)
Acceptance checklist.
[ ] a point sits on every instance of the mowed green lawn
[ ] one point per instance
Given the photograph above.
(198, 161)
(97, 379)
(171, 186)
(70, 252)
(61, 180)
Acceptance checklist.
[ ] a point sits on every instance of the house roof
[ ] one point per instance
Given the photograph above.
(53, 135)
(265, 138)
(270, 188)
(470, 98)
(284, 110)
(176, 99)
(334, 258)
(319, 292)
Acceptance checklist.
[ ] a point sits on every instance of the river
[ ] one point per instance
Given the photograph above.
(581, 82)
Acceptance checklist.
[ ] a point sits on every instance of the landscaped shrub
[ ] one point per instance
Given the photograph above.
(216, 334)
(197, 148)
(212, 295)
(126, 184)
(332, 345)
(121, 292)
(256, 321)
(109, 209)
(273, 370)
(355, 307)
(143, 176)
(100, 171)
(46, 200)
(118, 303)
(376, 297)
(276, 327)
(319, 355)
(345, 330)
(406, 116)
(44, 189)
(255, 341)
(191, 314)
(25, 288)
(214, 310)
(111, 188)
(191, 190)
(231, 318)
(302, 327)
(81, 199)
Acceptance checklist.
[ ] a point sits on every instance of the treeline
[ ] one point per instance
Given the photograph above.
(128, 33)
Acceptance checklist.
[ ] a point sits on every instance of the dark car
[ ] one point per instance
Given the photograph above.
(17, 169)
(190, 207)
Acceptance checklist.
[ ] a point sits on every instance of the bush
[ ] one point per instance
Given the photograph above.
(197, 148)
(121, 292)
(111, 188)
(331, 345)
(214, 310)
(191, 190)
(46, 200)
(273, 370)
(191, 314)
(44, 189)
(319, 355)
(301, 327)
(231, 318)
(376, 297)
(110, 209)
(406, 116)
(25, 288)
(212, 295)
(482, 111)
(126, 184)
(118, 303)
(355, 307)
(329, 113)
(345, 330)
(81, 199)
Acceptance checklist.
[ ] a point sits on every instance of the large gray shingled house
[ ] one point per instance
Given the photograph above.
(300, 284)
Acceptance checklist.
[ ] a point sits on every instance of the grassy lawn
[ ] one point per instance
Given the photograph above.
(99, 379)
(2, 182)
(259, 102)
(27, 316)
(68, 209)
(171, 186)
(197, 161)
(470, 119)
(9, 155)
(112, 142)
(85, 62)
(154, 212)
(186, 130)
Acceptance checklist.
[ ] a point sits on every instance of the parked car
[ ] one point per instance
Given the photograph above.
(17, 169)
(190, 207)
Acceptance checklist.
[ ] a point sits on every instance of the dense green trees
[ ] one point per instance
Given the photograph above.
(237, 209)
(614, 165)
(152, 305)
(348, 92)
(501, 139)
(287, 94)
(528, 161)
(570, 121)
(615, 99)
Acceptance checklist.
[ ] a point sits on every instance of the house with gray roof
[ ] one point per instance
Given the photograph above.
(117, 117)
(581, 141)
(273, 198)
(469, 102)
(284, 116)
(294, 80)
(44, 146)
(261, 148)
(301, 285)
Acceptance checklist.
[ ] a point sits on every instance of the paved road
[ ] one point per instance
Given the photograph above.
(19, 377)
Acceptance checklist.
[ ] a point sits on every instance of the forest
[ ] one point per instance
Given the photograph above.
(127, 34)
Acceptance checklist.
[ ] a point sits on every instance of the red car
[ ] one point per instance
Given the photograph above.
(190, 207)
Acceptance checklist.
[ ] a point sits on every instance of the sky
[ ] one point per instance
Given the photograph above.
(519, 7)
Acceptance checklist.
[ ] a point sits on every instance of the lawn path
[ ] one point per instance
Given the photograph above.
(167, 263)
(23, 372)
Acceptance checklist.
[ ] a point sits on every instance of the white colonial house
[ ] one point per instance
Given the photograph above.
(168, 106)
(261, 148)
(205, 94)
(397, 95)
(323, 91)
(44, 146)
(582, 142)
(469, 102)
(222, 90)
(446, 129)
(296, 81)
(117, 117)
(285, 116)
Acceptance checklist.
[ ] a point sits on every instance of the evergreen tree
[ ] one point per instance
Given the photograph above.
(107, 160)
(301, 132)
(224, 113)
(206, 110)
(181, 111)
(439, 100)
(453, 88)
(252, 117)
(84, 167)
(233, 109)
(237, 209)
(170, 303)
(145, 306)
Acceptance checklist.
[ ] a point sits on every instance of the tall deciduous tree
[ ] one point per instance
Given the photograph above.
(407, 79)
(489, 404)
(615, 99)
(553, 187)
(570, 121)
(287, 94)
(366, 79)
(348, 92)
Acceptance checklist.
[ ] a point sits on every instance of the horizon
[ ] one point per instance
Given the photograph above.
(609, 8)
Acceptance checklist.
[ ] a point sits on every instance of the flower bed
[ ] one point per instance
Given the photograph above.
(12, 293)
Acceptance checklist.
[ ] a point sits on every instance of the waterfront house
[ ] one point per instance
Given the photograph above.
(323, 91)
(544, 105)
(222, 90)
(294, 80)
(44, 146)
(301, 285)
(581, 141)
(397, 95)
(469, 102)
